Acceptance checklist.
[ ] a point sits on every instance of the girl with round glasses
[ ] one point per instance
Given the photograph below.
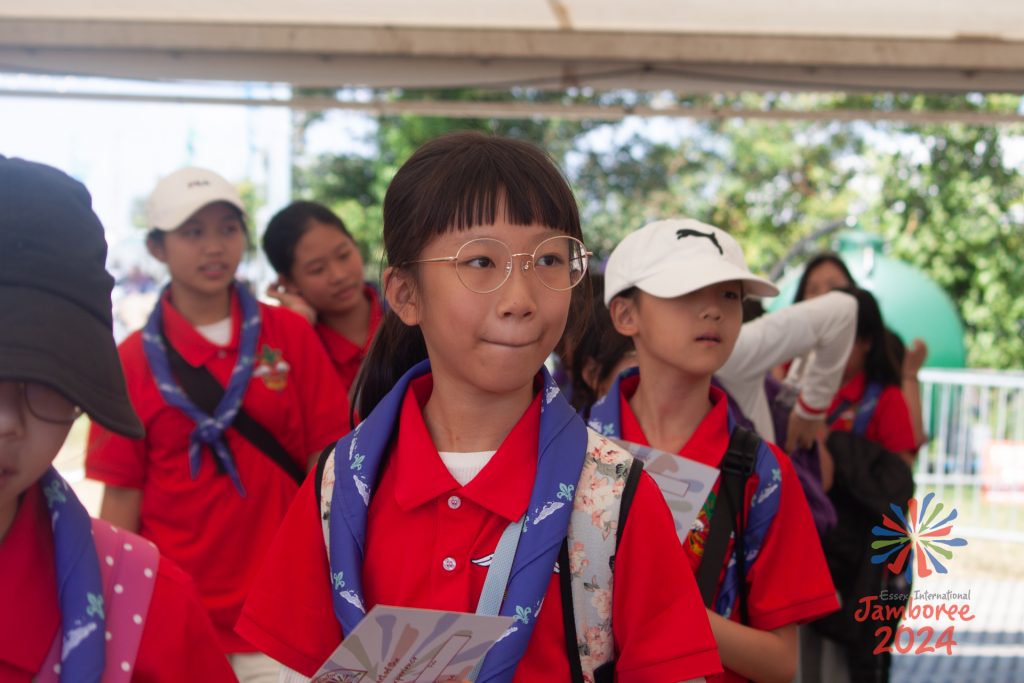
(466, 440)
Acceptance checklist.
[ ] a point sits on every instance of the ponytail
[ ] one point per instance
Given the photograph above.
(395, 348)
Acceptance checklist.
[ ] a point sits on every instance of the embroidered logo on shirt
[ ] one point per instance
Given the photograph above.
(272, 368)
(699, 531)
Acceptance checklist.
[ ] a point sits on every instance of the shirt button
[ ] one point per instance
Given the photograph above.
(454, 502)
(448, 564)
(222, 354)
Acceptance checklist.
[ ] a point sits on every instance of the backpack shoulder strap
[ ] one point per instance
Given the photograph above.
(866, 408)
(737, 465)
(203, 389)
(129, 564)
(325, 492)
(587, 562)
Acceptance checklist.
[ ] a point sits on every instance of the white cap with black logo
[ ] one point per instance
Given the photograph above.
(673, 257)
(182, 193)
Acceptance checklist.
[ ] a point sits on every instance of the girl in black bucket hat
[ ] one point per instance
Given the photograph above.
(83, 600)
(237, 398)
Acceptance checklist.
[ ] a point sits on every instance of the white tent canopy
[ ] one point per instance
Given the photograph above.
(682, 45)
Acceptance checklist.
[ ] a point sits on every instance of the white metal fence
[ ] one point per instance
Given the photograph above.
(974, 460)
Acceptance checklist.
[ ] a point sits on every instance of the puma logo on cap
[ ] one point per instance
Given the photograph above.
(687, 232)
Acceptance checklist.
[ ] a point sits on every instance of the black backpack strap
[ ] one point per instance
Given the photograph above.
(606, 672)
(321, 462)
(831, 418)
(626, 502)
(205, 391)
(737, 465)
(572, 648)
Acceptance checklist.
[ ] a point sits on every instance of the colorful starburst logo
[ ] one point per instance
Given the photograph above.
(916, 534)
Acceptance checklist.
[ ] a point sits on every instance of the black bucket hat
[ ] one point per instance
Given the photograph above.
(55, 308)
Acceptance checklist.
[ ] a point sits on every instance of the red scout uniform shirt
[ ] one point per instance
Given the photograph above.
(789, 582)
(178, 642)
(424, 532)
(890, 425)
(204, 525)
(346, 356)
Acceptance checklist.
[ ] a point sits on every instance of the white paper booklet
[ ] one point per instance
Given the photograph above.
(403, 644)
(685, 483)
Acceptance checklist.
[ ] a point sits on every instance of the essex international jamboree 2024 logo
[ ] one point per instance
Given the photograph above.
(924, 535)
(914, 535)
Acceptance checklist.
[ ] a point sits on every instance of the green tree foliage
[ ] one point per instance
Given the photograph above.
(941, 194)
(957, 212)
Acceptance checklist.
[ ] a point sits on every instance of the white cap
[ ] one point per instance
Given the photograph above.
(181, 194)
(670, 258)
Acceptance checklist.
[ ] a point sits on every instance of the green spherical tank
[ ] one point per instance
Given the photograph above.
(912, 305)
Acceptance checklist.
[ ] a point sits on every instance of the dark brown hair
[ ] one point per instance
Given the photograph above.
(819, 259)
(600, 344)
(455, 182)
(288, 226)
(882, 363)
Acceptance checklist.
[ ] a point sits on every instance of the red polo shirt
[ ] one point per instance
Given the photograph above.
(789, 582)
(346, 356)
(424, 533)
(178, 642)
(214, 534)
(890, 425)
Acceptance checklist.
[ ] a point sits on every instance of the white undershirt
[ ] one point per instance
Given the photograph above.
(464, 466)
(218, 333)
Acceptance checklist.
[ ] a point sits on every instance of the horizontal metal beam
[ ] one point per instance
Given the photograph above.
(966, 52)
(332, 72)
(519, 110)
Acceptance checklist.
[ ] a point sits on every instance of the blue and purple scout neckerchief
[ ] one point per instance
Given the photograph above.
(79, 584)
(358, 457)
(209, 429)
(606, 419)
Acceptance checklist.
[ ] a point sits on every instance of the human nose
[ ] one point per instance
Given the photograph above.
(711, 307)
(518, 294)
(12, 416)
(215, 243)
(335, 272)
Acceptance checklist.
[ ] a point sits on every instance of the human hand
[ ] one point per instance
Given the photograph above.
(801, 431)
(292, 300)
(828, 465)
(914, 358)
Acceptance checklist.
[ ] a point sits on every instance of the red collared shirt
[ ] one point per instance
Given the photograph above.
(424, 533)
(789, 581)
(178, 642)
(890, 425)
(204, 525)
(346, 356)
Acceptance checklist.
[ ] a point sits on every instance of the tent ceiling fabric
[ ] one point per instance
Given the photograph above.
(687, 46)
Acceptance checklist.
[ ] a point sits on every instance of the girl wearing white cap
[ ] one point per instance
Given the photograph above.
(236, 397)
(676, 287)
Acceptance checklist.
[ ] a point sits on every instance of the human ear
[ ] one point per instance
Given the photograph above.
(155, 247)
(402, 295)
(624, 315)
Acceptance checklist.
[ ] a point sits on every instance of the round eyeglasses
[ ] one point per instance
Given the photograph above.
(47, 404)
(484, 264)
